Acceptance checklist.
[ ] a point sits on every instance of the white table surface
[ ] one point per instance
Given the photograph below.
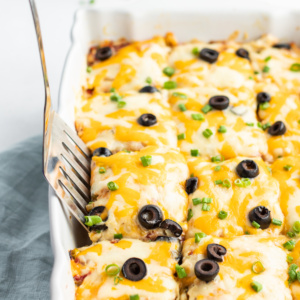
(21, 88)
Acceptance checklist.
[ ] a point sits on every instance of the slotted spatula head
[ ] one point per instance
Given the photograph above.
(66, 159)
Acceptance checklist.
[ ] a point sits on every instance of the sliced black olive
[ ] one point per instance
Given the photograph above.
(282, 46)
(147, 120)
(100, 227)
(278, 128)
(174, 227)
(100, 211)
(103, 53)
(209, 55)
(206, 269)
(260, 215)
(242, 53)
(219, 102)
(216, 252)
(150, 216)
(148, 89)
(102, 151)
(263, 97)
(163, 238)
(191, 185)
(134, 269)
(247, 169)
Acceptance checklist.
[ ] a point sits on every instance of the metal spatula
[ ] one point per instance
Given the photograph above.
(66, 159)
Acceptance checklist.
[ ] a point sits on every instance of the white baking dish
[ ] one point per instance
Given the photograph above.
(209, 20)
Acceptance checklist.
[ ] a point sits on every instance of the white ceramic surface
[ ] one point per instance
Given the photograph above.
(140, 20)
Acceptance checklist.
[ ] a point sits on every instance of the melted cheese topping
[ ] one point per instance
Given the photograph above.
(289, 182)
(161, 184)
(89, 264)
(240, 139)
(237, 201)
(235, 275)
(100, 123)
(128, 69)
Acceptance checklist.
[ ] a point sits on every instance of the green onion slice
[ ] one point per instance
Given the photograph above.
(257, 267)
(112, 270)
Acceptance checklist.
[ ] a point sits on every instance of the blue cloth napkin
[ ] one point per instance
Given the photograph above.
(25, 252)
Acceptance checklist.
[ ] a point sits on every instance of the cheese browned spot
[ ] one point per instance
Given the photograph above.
(88, 269)
(235, 200)
(161, 183)
(239, 139)
(235, 275)
(287, 172)
(100, 123)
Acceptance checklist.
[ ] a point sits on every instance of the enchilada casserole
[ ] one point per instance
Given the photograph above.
(195, 181)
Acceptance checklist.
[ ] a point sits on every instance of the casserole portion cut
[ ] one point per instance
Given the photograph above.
(128, 121)
(234, 197)
(246, 267)
(127, 66)
(121, 269)
(214, 121)
(139, 194)
(287, 171)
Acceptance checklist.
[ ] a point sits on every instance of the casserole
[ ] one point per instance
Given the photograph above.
(138, 20)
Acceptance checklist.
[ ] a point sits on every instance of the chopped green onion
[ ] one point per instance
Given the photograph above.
(146, 160)
(287, 167)
(197, 117)
(256, 72)
(292, 272)
(298, 121)
(217, 168)
(182, 107)
(148, 80)
(264, 105)
(205, 207)
(180, 271)
(243, 182)
(289, 259)
(112, 186)
(267, 58)
(222, 129)
(180, 95)
(247, 232)
(112, 270)
(190, 214)
(255, 224)
(89, 69)
(257, 287)
(218, 158)
(219, 181)
(295, 67)
(194, 152)
(290, 245)
(250, 124)
(226, 183)
(92, 220)
(266, 69)
(269, 169)
(134, 297)
(259, 125)
(207, 133)
(181, 136)
(118, 236)
(169, 71)
(206, 108)
(115, 97)
(266, 126)
(206, 200)
(117, 279)
(169, 85)
(276, 222)
(298, 276)
(222, 214)
(112, 90)
(102, 170)
(197, 201)
(296, 227)
(195, 51)
(127, 151)
(199, 236)
(250, 77)
(257, 267)
(291, 234)
(121, 104)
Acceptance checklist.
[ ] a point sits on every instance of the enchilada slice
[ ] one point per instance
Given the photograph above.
(234, 197)
(124, 269)
(139, 194)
